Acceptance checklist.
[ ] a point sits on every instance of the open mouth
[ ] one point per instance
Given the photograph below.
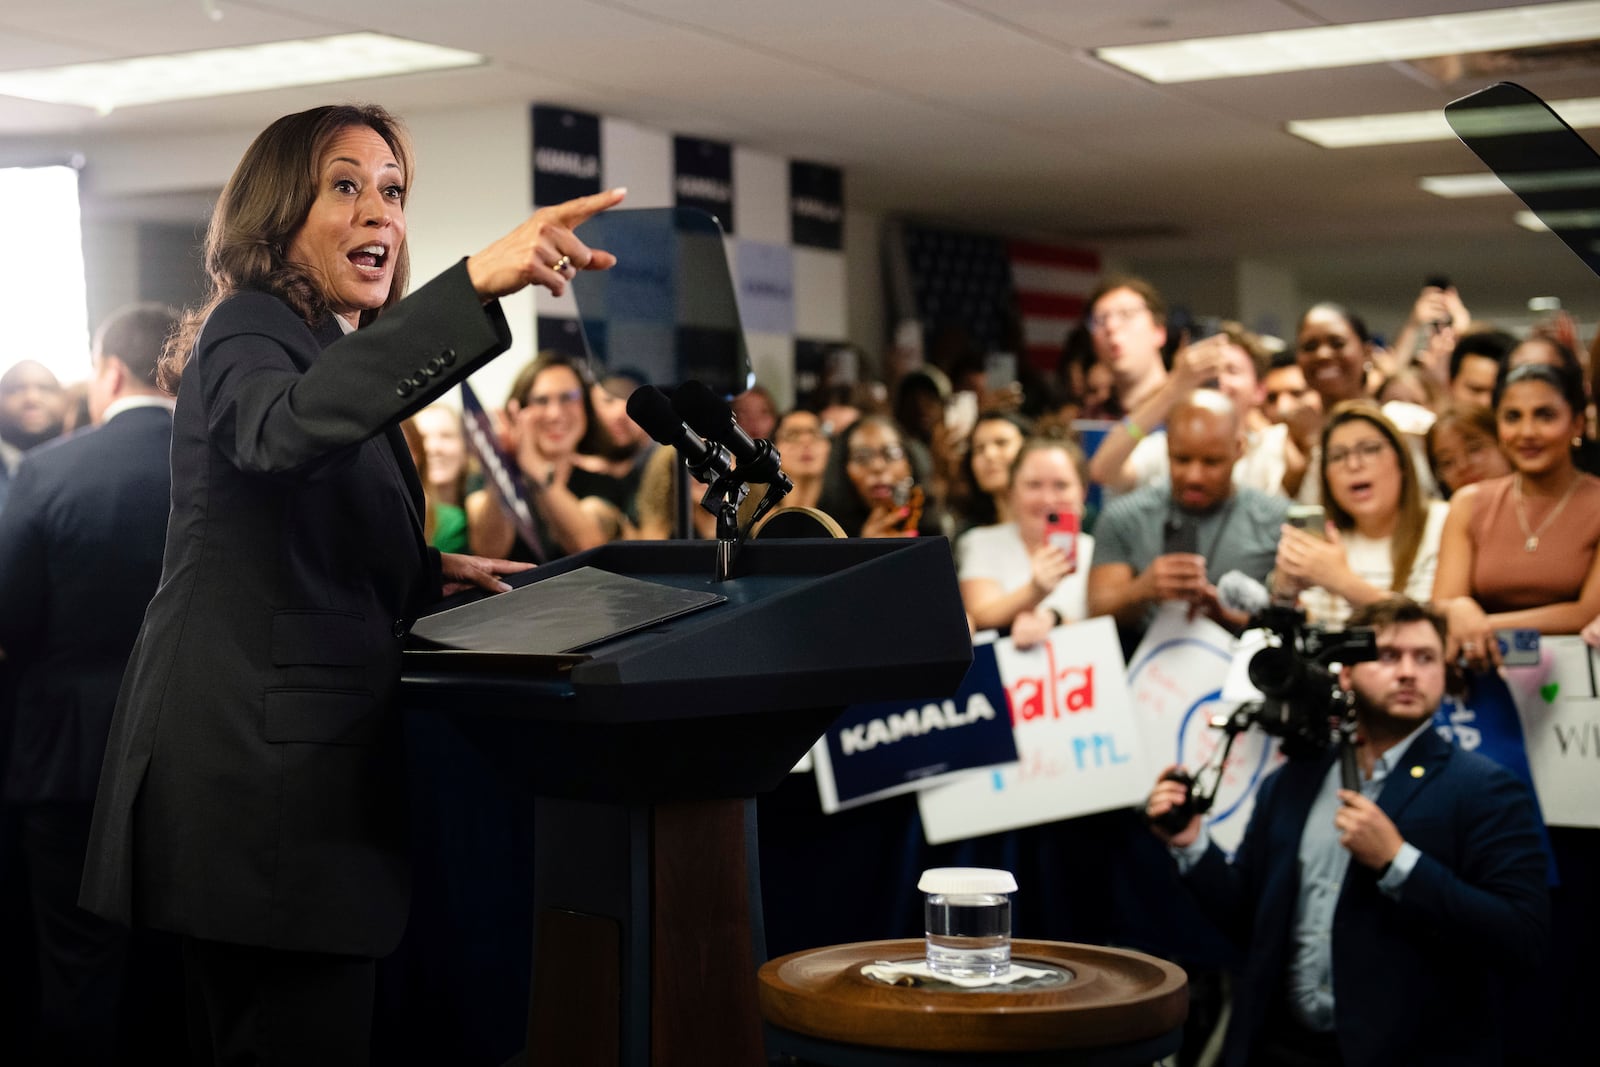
(370, 259)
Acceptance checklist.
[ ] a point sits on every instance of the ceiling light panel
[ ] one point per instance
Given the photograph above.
(1356, 44)
(123, 83)
(1409, 127)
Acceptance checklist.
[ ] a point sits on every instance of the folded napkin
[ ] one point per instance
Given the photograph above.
(917, 972)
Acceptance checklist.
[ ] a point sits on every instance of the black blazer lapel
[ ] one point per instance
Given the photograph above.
(1422, 763)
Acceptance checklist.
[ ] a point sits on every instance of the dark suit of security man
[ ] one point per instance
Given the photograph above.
(1375, 923)
(80, 552)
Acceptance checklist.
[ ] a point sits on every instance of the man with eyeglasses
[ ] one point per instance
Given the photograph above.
(1376, 923)
(1128, 326)
(1175, 541)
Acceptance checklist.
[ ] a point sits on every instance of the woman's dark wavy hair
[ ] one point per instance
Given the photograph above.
(263, 206)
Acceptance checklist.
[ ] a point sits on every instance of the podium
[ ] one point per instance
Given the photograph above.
(642, 755)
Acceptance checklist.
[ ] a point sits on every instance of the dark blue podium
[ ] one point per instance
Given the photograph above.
(641, 756)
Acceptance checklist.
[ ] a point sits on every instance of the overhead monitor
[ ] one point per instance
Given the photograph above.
(1539, 157)
(667, 310)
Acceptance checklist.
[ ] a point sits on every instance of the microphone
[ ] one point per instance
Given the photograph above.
(650, 408)
(1237, 591)
(711, 417)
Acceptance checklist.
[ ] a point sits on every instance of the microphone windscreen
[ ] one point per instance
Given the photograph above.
(1240, 592)
(650, 408)
(706, 413)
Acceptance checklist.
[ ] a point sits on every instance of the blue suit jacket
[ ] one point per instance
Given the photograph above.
(1412, 978)
(80, 554)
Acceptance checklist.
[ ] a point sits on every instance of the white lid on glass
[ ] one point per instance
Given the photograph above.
(962, 880)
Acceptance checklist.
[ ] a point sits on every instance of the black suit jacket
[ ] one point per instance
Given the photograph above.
(253, 790)
(80, 553)
(1411, 978)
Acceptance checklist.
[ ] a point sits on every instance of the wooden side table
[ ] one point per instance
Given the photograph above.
(1117, 1008)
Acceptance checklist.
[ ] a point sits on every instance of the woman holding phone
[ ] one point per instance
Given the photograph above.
(1380, 537)
(1030, 575)
(873, 488)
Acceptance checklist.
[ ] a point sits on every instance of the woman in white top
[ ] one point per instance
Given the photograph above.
(1381, 537)
(1012, 576)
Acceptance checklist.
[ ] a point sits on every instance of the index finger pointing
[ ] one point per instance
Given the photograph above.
(583, 208)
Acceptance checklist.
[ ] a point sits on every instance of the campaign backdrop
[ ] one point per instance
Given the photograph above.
(783, 220)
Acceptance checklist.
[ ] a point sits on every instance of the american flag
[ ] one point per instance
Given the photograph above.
(1004, 293)
(1051, 284)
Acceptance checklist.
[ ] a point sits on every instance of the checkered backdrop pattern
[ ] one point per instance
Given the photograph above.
(783, 221)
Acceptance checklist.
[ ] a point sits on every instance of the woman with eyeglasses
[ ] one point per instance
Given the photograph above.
(873, 488)
(550, 420)
(1462, 448)
(805, 448)
(1381, 536)
(1015, 575)
(1520, 551)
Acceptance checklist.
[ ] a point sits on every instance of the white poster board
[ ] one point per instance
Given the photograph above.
(1078, 749)
(1560, 714)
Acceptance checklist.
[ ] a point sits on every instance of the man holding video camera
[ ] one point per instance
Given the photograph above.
(1373, 922)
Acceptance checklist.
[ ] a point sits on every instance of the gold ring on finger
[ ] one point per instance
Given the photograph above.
(560, 265)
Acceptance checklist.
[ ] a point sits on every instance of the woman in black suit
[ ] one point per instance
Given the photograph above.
(252, 797)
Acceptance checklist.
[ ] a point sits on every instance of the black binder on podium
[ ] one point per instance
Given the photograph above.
(641, 754)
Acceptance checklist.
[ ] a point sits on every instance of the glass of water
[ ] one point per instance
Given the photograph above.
(967, 917)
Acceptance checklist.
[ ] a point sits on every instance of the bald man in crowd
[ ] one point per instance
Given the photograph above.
(1174, 542)
(31, 408)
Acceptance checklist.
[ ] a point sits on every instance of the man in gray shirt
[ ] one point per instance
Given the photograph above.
(1174, 542)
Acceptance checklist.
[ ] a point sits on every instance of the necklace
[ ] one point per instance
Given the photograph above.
(1531, 544)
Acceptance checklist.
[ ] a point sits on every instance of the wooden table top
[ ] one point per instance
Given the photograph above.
(1115, 997)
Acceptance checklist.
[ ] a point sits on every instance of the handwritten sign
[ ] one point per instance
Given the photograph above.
(1078, 750)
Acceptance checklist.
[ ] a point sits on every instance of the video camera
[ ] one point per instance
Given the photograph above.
(1302, 703)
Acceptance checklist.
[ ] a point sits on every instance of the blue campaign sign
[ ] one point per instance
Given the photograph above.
(1487, 722)
(878, 750)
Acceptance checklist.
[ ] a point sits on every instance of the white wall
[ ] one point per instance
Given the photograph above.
(473, 185)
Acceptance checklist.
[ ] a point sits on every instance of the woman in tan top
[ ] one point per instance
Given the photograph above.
(1519, 551)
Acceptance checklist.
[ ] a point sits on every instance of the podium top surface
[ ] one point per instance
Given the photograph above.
(803, 624)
